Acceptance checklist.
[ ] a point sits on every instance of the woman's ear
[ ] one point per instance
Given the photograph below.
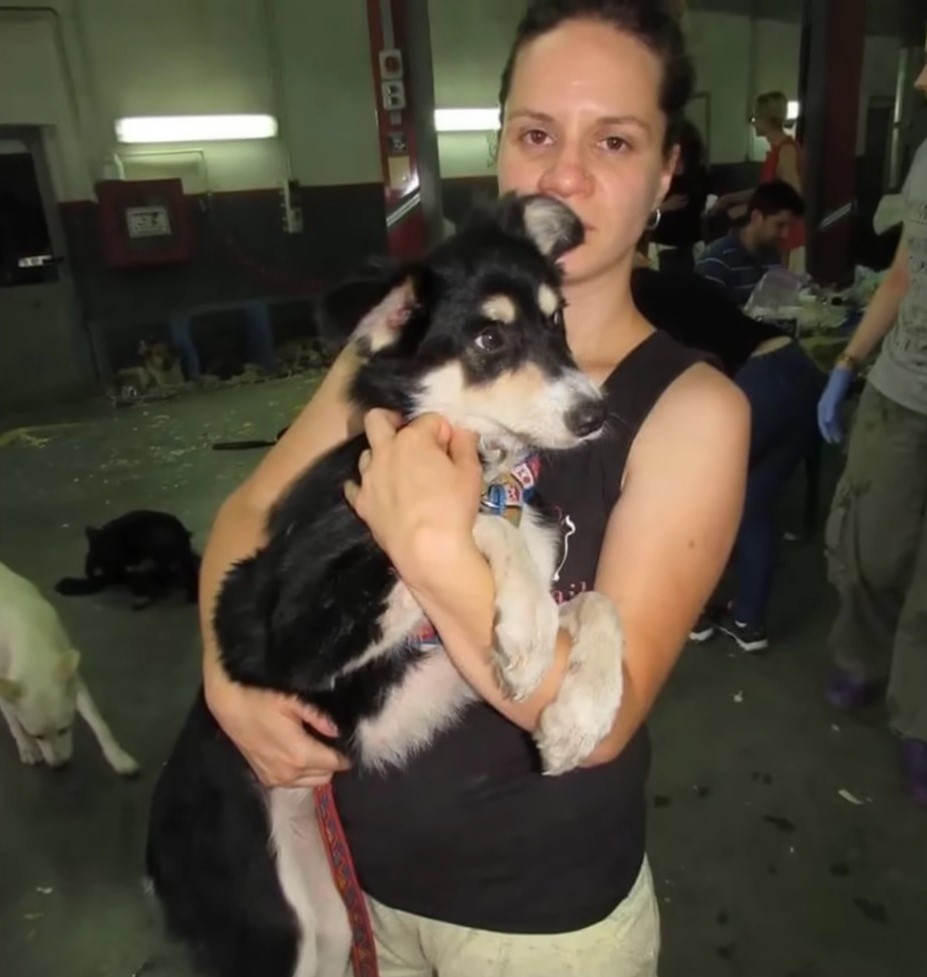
(666, 175)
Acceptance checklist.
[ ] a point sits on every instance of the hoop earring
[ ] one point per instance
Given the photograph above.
(654, 221)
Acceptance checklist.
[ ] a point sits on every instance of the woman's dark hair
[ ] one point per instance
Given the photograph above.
(691, 146)
(650, 21)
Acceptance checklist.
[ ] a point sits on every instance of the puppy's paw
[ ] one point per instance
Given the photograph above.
(525, 640)
(584, 710)
(29, 752)
(123, 764)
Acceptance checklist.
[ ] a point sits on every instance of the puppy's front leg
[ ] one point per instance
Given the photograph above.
(526, 625)
(29, 752)
(588, 699)
(115, 755)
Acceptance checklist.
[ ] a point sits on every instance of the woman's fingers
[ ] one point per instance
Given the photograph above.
(380, 426)
(351, 492)
(312, 780)
(463, 449)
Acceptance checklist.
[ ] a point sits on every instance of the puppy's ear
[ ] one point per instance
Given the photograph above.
(382, 325)
(340, 310)
(10, 691)
(68, 664)
(550, 224)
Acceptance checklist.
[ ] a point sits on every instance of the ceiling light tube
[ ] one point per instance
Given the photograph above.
(194, 128)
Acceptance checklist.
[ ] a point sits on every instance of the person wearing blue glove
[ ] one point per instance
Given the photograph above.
(876, 533)
(831, 402)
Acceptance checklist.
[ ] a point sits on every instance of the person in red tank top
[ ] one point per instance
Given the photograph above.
(784, 161)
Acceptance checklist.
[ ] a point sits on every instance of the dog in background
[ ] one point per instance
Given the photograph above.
(157, 369)
(41, 690)
(474, 332)
(149, 553)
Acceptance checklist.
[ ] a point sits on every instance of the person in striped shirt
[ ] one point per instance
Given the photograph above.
(738, 261)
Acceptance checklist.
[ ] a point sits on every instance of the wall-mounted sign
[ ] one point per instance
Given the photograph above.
(147, 222)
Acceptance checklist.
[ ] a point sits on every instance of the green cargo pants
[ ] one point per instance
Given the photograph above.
(877, 557)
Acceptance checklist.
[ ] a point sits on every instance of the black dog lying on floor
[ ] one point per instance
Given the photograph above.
(148, 553)
(474, 332)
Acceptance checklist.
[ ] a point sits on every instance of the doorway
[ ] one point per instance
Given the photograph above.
(44, 355)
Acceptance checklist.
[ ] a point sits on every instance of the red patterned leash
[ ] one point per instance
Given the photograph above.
(363, 948)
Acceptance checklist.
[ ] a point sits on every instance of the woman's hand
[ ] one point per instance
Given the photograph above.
(419, 490)
(268, 729)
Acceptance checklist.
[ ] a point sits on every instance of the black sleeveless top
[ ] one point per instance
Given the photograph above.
(470, 832)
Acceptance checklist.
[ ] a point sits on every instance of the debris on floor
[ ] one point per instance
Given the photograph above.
(850, 798)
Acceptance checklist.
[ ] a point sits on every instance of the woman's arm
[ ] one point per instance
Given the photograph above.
(266, 727)
(665, 547)
(882, 311)
(787, 168)
(734, 199)
(672, 531)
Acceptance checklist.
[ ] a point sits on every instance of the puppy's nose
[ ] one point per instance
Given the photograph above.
(587, 418)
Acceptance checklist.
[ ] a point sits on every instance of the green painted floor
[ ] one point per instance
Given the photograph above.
(762, 868)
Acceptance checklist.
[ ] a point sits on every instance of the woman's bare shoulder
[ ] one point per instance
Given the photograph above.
(701, 411)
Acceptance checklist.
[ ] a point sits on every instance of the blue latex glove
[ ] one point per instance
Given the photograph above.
(829, 420)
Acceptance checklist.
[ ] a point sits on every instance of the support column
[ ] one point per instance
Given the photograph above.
(830, 76)
(400, 50)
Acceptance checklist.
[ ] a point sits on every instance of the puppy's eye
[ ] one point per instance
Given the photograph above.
(489, 340)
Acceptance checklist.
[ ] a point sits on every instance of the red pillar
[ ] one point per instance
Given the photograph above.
(836, 32)
(399, 155)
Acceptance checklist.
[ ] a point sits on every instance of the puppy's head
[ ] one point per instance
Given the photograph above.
(44, 703)
(475, 331)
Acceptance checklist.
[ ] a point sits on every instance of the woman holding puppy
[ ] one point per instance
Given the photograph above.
(473, 862)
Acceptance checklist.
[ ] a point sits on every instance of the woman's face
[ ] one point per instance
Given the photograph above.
(760, 123)
(583, 124)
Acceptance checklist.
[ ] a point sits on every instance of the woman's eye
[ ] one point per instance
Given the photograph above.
(489, 340)
(615, 144)
(534, 137)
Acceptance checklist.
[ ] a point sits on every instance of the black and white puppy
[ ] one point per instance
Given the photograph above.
(473, 332)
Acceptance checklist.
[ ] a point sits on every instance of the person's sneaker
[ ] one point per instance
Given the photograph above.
(703, 629)
(914, 770)
(750, 638)
(844, 690)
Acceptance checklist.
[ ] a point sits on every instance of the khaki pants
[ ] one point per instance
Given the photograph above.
(877, 557)
(624, 944)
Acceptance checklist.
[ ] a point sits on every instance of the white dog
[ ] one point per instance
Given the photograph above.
(40, 689)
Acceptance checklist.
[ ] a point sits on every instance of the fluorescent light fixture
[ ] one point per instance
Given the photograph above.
(195, 128)
(794, 111)
(466, 120)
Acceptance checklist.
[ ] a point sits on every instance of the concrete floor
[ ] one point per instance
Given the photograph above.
(762, 868)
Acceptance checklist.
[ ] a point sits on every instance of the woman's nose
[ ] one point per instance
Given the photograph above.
(566, 174)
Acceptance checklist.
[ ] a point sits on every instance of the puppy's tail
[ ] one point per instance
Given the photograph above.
(79, 586)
